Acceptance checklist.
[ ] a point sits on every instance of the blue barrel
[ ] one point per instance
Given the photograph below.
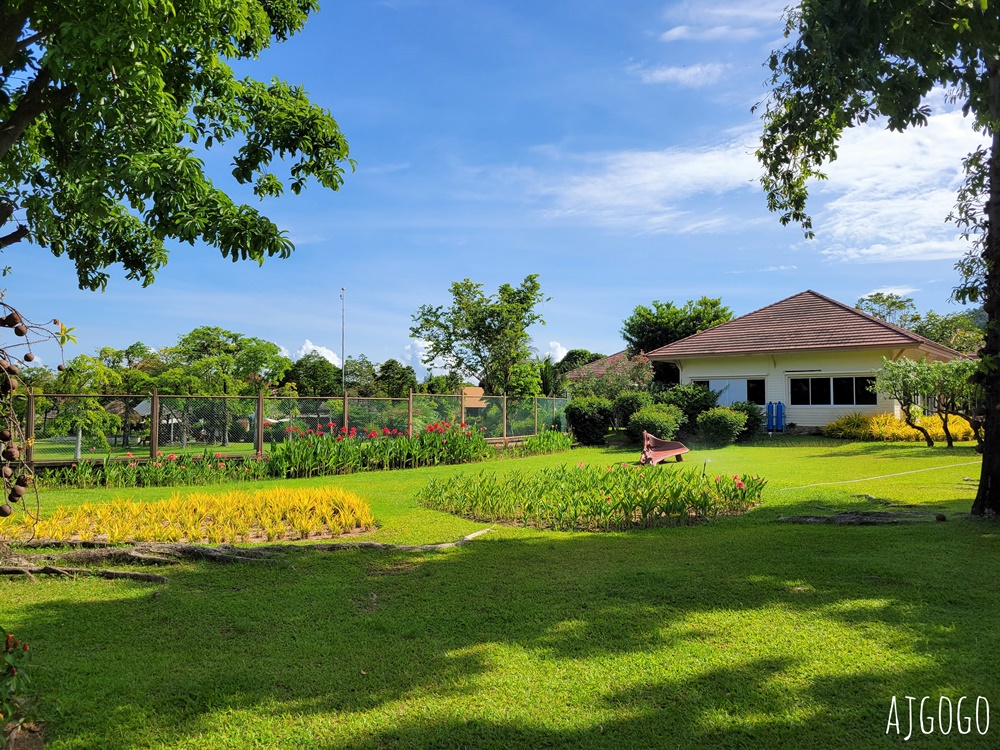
(770, 416)
(779, 417)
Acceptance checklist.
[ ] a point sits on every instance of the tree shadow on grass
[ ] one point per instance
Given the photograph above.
(674, 637)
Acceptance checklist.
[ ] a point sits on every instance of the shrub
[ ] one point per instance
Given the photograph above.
(692, 400)
(589, 419)
(196, 517)
(755, 419)
(628, 403)
(885, 427)
(15, 709)
(594, 498)
(721, 425)
(549, 441)
(661, 420)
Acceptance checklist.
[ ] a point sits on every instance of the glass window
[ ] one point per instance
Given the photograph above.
(755, 392)
(863, 396)
(843, 391)
(819, 391)
(799, 391)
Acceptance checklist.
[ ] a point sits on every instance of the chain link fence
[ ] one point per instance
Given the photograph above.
(68, 427)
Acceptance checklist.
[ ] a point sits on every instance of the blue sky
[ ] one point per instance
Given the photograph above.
(607, 147)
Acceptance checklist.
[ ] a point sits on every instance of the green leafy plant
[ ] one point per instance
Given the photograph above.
(628, 403)
(15, 706)
(589, 419)
(692, 399)
(590, 498)
(661, 420)
(721, 425)
(755, 419)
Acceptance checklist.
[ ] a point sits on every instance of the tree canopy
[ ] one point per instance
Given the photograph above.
(849, 62)
(103, 107)
(314, 375)
(485, 337)
(649, 328)
(961, 331)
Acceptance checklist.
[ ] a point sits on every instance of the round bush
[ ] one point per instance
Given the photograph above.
(660, 420)
(628, 403)
(589, 419)
(755, 419)
(690, 398)
(720, 426)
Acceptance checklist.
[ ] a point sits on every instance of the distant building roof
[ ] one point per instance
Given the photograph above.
(596, 368)
(807, 321)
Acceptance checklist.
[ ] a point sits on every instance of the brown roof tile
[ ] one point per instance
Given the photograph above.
(597, 368)
(804, 322)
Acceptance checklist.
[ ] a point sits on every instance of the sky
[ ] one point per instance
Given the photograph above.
(607, 147)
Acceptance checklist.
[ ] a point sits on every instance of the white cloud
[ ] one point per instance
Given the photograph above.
(648, 190)
(889, 193)
(708, 34)
(900, 291)
(701, 14)
(556, 350)
(323, 351)
(284, 352)
(417, 349)
(692, 76)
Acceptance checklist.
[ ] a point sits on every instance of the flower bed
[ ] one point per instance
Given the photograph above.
(305, 453)
(590, 498)
(235, 516)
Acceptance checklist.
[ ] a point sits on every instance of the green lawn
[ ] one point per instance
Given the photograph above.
(744, 632)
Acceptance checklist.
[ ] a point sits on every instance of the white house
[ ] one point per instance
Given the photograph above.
(815, 355)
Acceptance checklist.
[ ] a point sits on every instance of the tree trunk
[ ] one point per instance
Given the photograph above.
(923, 431)
(987, 501)
(78, 451)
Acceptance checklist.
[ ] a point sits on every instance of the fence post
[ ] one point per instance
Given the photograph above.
(154, 424)
(345, 409)
(258, 436)
(409, 415)
(505, 416)
(536, 415)
(462, 415)
(29, 431)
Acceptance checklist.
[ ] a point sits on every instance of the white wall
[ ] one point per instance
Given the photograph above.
(778, 369)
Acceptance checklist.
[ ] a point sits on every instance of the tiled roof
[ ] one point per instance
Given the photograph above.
(596, 368)
(804, 322)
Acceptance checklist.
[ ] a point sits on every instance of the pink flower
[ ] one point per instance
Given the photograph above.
(580, 465)
(172, 457)
(128, 455)
(159, 453)
(444, 441)
(222, 465)
(218, 455)
(740, 485)
(157, 463)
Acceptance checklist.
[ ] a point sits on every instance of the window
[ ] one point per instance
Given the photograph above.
(839, 391)
(755, 392)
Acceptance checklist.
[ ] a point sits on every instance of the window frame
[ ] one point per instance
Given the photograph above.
(831, 390)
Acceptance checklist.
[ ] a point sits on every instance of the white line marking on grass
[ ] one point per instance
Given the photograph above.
(884, 476)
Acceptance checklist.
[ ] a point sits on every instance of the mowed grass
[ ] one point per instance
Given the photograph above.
(745, 632)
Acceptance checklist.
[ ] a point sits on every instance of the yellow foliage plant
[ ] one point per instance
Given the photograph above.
(235, 516)
(887, 428)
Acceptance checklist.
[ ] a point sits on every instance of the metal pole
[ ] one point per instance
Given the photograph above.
(258, 428)
(409, 415)
(343, 357)
(154, 424)
(505, 416)
(29, 430)
(536, 415)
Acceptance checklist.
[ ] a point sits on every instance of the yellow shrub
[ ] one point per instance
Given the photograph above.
(885, 427)
(235, 516)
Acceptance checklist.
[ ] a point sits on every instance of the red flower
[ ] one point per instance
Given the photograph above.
(309, 432)
(128, 455)
(330, 424)
(218, 455)
(340, 438)
(386, 431)
(267, 424)
(740, 485)
(344, 429)
(408, 432)
(172, 457)
(159, 453)
(288, 429)
(463, 424)
(354, 431)
(222, 465)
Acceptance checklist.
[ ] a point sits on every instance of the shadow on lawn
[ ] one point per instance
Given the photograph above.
(343, 634)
